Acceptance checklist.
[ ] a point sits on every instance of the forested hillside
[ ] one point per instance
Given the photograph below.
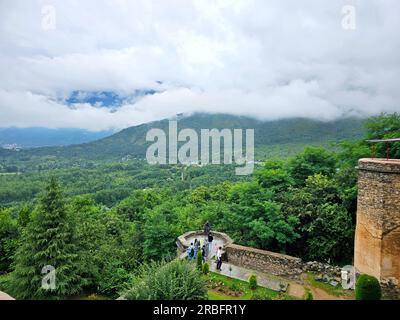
(275, 137)
(115, 218)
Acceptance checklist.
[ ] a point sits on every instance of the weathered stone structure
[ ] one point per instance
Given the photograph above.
(265, 261)
(183, 241)
(255, 259)
(377, 239)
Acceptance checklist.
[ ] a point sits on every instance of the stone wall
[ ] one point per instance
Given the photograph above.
(377, 239)
(261, 260)
(276, 263)
(183, 241)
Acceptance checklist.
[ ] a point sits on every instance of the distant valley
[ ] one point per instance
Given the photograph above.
(22, 138)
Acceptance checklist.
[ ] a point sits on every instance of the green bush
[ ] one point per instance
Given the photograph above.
(4, 282)
(199, 260)
(206, 268)
(260, 295)
(175, 280)
(253, 282)
(308, 295)
(368, 288)
(234, 286)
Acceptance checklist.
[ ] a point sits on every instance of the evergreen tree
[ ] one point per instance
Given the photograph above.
(8, 239)
(199, 260)
(48, 240)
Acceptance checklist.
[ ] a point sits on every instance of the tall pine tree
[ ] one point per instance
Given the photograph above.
(48, 240)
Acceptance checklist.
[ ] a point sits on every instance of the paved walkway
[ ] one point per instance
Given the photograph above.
(269, 281)
(272, 282)
(263, 279)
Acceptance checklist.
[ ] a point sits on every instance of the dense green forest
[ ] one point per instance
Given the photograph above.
(103, 222)
(110, 168)
(272, 138)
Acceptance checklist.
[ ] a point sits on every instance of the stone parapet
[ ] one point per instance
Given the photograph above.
(256, 259)
(264, 261)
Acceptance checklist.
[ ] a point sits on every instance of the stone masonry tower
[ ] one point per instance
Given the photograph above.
(377, 239)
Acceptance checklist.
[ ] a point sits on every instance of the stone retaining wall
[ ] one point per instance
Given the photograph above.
(264, 261)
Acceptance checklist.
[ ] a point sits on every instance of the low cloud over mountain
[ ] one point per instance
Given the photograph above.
(153, 59)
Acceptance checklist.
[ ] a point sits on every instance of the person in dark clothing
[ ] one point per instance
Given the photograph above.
(190, 252)
(196, 248)
(197, 244)
(203, 253)
(210, 240)
(207, 228)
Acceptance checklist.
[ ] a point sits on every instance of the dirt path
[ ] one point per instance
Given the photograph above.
(320, 294)
(298, 290)
(294, 289)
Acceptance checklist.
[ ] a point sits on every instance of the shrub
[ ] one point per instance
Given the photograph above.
(260, 295)
(234, 286)
(94, 296)
(4, 282)
(308, 295)
(253, 282)
(175, 280)
(199, 260)
(368, 288)
(206, 268)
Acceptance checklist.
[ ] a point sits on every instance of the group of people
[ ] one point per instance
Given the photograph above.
(205, 248)
(196, 247)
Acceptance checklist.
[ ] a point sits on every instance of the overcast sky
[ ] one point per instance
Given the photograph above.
(267, 59)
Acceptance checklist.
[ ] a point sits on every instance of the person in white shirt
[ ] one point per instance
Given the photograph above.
(219, 258)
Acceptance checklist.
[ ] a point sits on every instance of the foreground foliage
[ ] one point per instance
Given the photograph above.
(175, 280)
(48, 240)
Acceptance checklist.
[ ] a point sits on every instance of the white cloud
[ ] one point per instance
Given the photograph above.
(267, 59)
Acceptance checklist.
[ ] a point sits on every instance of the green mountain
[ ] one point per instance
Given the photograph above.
(277, 138)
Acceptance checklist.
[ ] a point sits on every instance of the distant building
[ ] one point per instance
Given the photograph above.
(13, 146)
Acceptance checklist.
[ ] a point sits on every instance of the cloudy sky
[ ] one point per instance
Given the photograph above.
(101, 64)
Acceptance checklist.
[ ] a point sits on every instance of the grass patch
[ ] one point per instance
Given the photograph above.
(221, 287)
(335, 291)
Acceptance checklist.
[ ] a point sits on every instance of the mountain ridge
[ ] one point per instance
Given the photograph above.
(131, 141)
